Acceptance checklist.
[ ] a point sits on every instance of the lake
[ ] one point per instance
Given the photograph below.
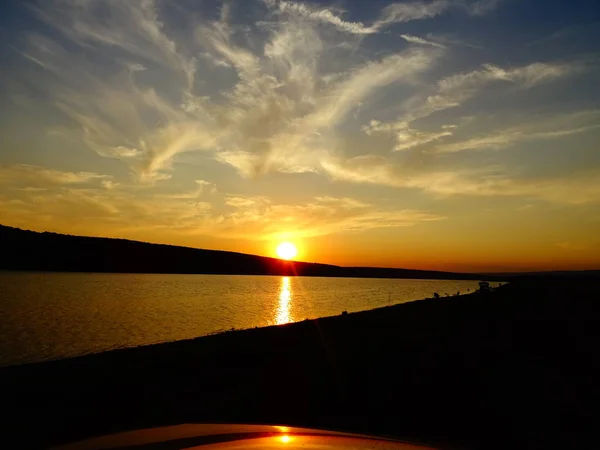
(57, 315)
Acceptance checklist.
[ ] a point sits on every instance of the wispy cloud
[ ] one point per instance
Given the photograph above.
(541, 129)
(575, 188)
(323, 16)
(578, 188)
(394, 13)
(455, 90)
(407, 137)
(451, 40)
(391, 14)
(408, 11)
(19, 175)
(322, 216)
(482, 7)
(301, 114)
(419, 40)
(278, 98)
(194, 213)
(277, 115)
(203, 186)
(49, 197)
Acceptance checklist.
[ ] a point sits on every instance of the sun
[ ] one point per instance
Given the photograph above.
(286, 250)
(285, 439)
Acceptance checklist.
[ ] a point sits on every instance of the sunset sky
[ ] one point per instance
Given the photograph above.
(447, 134)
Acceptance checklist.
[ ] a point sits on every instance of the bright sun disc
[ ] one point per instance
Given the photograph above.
(286, 250)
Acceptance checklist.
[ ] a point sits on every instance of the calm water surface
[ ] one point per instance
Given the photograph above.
(55, 315)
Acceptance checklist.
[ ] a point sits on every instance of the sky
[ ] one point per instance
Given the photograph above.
(447, 134)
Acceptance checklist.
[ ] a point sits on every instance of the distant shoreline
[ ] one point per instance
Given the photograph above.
(14, 271)
(25, 250)
(52, 252)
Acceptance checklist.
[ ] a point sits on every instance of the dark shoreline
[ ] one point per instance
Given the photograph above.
(517, 366)
(468, 277)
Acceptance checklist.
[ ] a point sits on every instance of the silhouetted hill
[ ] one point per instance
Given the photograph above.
(30, 250)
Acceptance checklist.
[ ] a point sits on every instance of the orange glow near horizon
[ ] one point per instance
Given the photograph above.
(285, 439)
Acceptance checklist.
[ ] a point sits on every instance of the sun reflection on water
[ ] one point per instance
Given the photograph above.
(285, 297)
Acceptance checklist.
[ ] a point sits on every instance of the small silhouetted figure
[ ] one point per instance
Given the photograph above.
(436, 295)
(457, 293)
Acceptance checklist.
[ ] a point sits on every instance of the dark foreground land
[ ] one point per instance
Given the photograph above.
(515, 368)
